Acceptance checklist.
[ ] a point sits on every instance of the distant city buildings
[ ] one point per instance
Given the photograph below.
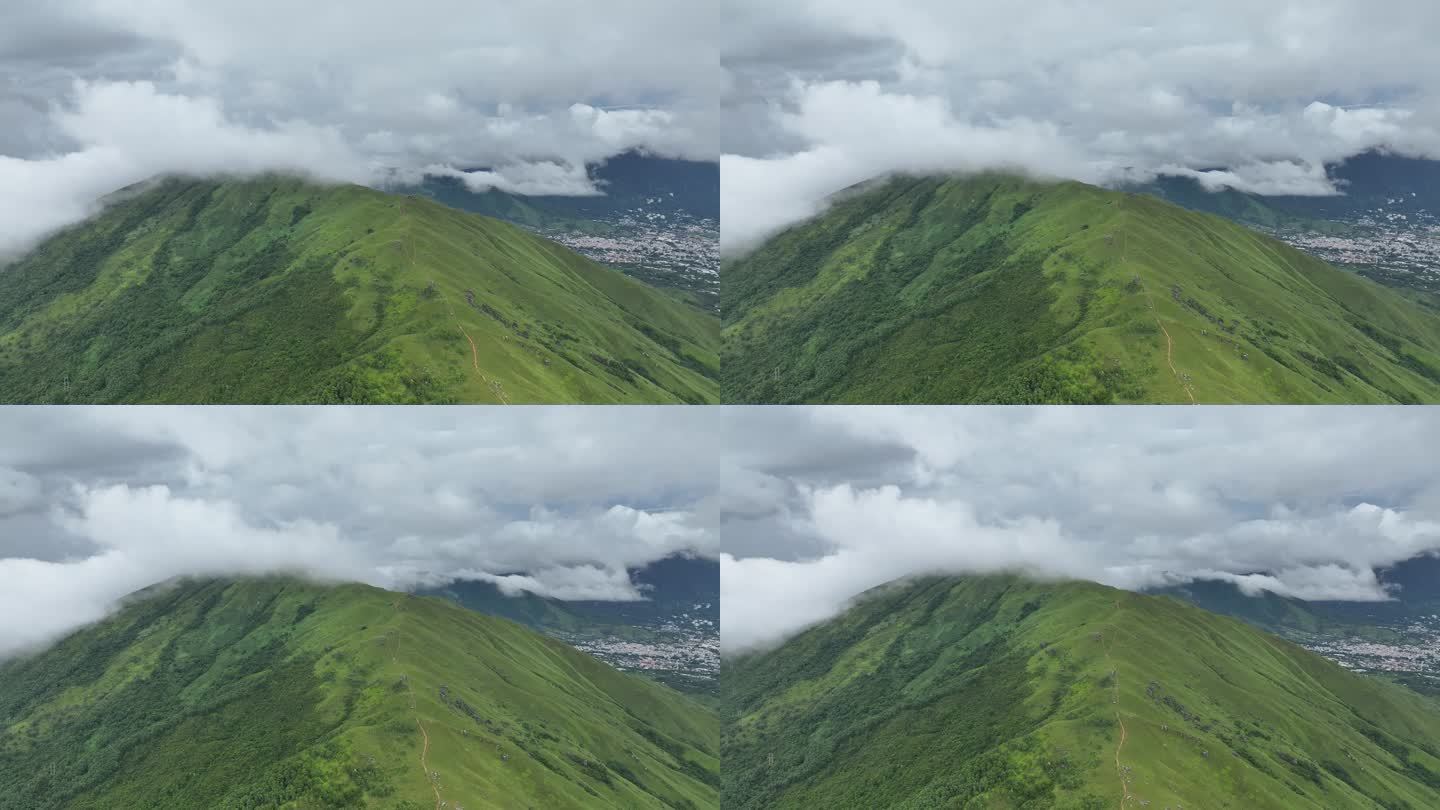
(1415, 650)
(674, 250)
(687, 645)
(1404, 248)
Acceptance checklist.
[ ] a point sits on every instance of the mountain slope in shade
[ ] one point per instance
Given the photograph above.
(273, 693)
(998, 692)
(991, 288)
(277, 290)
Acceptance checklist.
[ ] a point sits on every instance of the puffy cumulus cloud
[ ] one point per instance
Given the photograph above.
(1256, 97)
(146, 535)
(1296, 502)
(96, 503)
(857, 131)
(132, 131)
(98, 94)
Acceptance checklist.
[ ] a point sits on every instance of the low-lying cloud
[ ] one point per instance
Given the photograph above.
(131, 131)
(1304, 504)
(1251, 97)
(98, 95)
(534, 500)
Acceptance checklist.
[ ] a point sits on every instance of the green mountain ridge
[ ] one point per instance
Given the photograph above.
(274, 289)
(273, 693)
(996, 289)
(1000, 692)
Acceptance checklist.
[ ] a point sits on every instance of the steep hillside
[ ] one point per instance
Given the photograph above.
(1384, 226)
(1397, 639)
(657, 220)
(997, 692)
(672, 636)
(276, 290)
(991, 288)
(270, 693)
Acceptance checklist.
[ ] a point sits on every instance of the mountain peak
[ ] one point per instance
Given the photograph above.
(1003, 691)
(273, 691)
(332, 293)
(996, 289)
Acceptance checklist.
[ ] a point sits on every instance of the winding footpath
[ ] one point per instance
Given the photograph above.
(1155, 313)
(492, 384)
(424, 766)
(1170, 350)
(425, 735)
(1125, 795)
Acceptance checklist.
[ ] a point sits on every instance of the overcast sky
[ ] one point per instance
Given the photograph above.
(819, 504)
(96, 503)
(821, 94)
(98, 94)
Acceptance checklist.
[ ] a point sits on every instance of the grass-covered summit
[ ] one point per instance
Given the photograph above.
(277, 290)
(278, 694)
(992, 288)
(998, 692)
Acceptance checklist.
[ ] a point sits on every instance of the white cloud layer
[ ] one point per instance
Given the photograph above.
(1301, 503)
(825, 93)
(98, 94)
(130, 132)
(97, 503)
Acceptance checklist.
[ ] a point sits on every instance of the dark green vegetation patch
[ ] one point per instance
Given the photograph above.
(993, 692)
(275, 290)
(996, 289)
(267, 694)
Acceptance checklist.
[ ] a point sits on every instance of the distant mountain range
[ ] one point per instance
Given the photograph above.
(1385, 224)
(657, 219)
(673, 635)
(1413, 584)
(996, 289)
(1399, 638)
(1003, 692)
(276, 290)
(274, 693)
(1369, 182)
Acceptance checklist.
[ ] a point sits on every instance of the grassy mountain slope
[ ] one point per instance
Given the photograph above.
(277, 290)
(270, 693)
(996, 692)
(991, 288)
